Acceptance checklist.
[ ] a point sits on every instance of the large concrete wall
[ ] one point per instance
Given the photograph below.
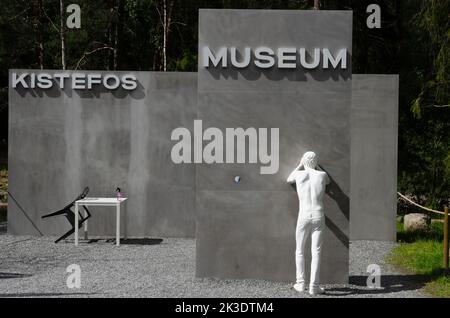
(374, 125)
(246, 230)
(63, 140)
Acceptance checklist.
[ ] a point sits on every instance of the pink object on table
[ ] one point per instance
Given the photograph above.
(119, 194)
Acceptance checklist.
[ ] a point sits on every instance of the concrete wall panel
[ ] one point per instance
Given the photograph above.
(247, 230)
(61, 141)
(374, 125)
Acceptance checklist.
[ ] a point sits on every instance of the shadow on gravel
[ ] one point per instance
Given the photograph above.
(389, 284)
(13, 275)
(44, 294)
(133, 241)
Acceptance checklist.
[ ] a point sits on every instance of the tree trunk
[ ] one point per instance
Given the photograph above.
(109, 44)
(166, 22)
(40, 37)
(316, 4)
(62, 31)
(164, 36)
(118, 20)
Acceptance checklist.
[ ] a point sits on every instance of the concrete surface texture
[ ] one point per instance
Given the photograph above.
(373, 196)
(246, 229)
(35, 267)
(63, 140)
(374, 126)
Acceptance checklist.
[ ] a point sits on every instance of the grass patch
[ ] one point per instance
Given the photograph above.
(421, 257)
(440, 287)
(435, 233)
(421, 253)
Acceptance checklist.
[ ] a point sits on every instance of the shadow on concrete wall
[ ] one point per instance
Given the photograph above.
(335, 192)
(337, 232)
(97, 92)
(253, 73)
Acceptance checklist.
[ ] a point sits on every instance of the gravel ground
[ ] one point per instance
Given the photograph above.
(36, 267)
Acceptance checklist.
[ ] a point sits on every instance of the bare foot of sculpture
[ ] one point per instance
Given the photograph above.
(299, 287)
(316, 291)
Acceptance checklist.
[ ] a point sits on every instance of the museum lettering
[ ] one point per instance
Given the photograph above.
(79, 80)
(282, 58)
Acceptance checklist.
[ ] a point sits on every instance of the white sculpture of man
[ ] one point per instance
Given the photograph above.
(311, 185)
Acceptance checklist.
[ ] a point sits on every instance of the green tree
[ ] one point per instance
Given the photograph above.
(433, 28)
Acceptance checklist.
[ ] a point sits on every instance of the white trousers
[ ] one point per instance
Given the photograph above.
(311, 224)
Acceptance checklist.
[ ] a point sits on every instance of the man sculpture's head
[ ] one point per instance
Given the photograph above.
(309, 160)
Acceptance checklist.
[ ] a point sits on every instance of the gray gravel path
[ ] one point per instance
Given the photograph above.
(31, 266)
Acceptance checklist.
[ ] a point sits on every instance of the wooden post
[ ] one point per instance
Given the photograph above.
(446, 238)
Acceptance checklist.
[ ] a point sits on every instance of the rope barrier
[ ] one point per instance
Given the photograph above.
(418, 205)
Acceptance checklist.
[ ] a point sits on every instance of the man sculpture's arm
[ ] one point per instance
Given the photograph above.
(291, 178)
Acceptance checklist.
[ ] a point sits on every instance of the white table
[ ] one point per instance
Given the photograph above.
(98, 202)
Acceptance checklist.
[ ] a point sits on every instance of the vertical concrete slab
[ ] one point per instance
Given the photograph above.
(374, 130)
(63, 140)
(37, 155)
(246, 229)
